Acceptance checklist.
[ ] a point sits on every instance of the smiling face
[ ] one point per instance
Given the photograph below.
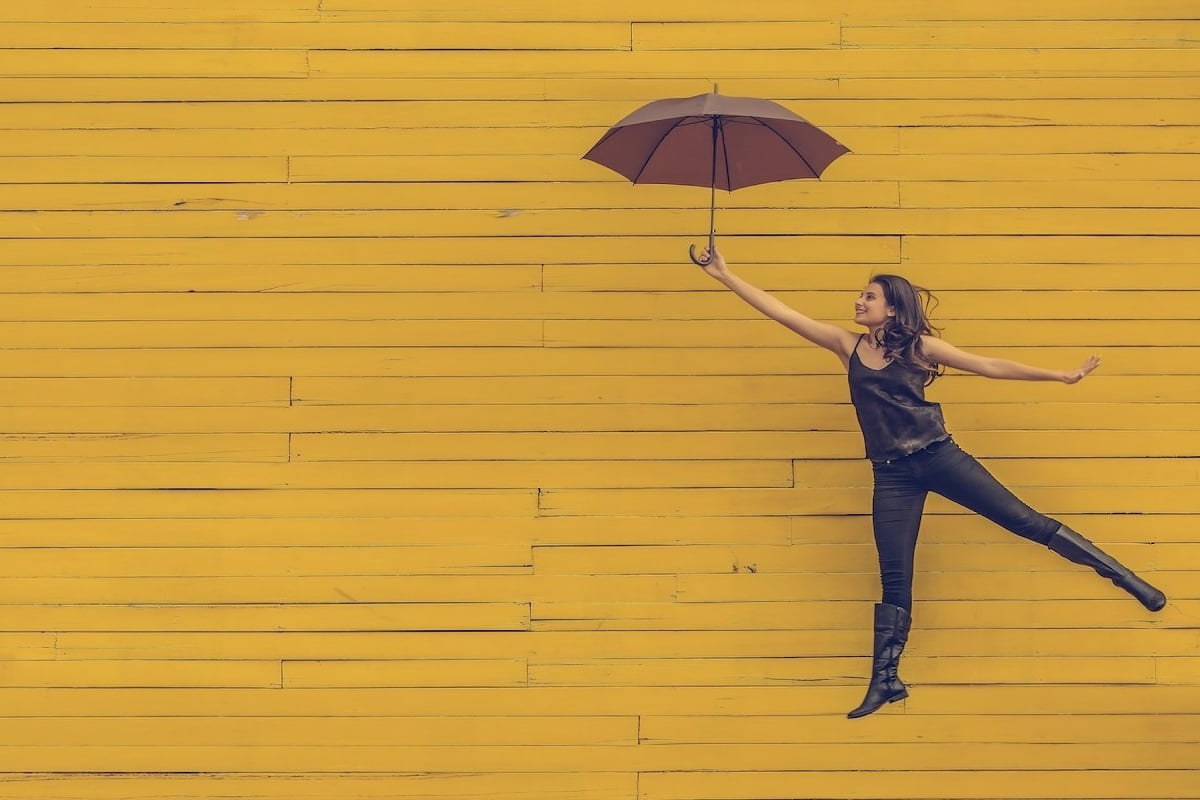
(871, 308)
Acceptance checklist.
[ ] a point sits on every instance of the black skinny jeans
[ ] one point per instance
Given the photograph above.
(899, 500)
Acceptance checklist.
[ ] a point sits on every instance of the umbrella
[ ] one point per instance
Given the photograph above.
(715, 140)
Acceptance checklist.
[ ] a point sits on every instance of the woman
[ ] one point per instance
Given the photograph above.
(911, 453)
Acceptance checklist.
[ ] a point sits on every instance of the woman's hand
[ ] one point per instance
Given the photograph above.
(1084, 370)
(716, 263)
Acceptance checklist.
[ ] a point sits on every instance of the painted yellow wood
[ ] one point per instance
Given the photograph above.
(349, 785)
(118, 169)
(768, 10)
(1049, 139)
(949, 781)
(417, 672)
(428, 251)
(281, 504)
(597, 223)
(301, 731)
(263, 63)
(1071, 194)
(851, 63)
(140, 674)
(1015, 728)
(1100, 34)
(320, 35)
(270, 197)
(261, 618)
(743, 36)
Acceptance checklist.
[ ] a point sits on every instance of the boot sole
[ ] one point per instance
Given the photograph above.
(856, 714)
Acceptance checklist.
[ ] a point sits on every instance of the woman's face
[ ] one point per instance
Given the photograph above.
(871, 309)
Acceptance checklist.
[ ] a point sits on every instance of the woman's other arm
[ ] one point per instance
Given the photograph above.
(942, 352)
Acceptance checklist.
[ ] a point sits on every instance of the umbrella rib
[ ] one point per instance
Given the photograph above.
(654, 149)
(762, 122)
(719, 122)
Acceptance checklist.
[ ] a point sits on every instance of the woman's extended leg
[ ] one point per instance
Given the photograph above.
(957, 476)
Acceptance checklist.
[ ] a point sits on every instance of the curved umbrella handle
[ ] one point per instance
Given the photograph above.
(712, 245)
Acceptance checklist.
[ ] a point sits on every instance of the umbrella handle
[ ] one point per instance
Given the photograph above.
(712, 246)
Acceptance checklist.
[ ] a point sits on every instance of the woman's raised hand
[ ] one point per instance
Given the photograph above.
(714, 263)
(1084, 370)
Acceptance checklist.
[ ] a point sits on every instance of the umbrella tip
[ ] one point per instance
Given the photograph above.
(716, 89)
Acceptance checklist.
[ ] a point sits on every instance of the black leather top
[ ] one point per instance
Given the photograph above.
(895, 417)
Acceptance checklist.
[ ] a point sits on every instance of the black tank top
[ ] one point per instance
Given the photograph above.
(895, 417)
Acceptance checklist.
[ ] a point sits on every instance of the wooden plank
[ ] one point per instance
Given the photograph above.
(401, 475)
(350, 786)
(210, 504)
(742, 36)
(399, 673)
(847, 63)
(767, 10)
(176, 11)
(218, 334)
(347, 731)
(140, 674)
(1018, 33)
(196, 562)
(491, 251)
(834, 759)
(487, 585)
(261, 392)
(935, 782)
(263, 63)
(119, 169)
(597, 223)
(148, 448)
(262, 618)
(1047, 249)
(1050, 139)
(1035, 194)
(1049, 729)
(253, 197)
(148, 89)
(323, 35)
(1130, 87)
(279, 277)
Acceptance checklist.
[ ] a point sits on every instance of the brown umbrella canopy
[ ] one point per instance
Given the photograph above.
(717, 141)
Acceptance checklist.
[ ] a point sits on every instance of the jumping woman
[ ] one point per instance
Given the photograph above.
(911, 453)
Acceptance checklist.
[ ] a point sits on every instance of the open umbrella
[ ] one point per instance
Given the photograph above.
(718, 141)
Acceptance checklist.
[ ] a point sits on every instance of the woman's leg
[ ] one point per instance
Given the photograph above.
(957, 476)
(896, 508)
(896, 512)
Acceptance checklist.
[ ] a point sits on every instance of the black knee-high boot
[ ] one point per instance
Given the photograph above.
(891, 634)
(1073, 547)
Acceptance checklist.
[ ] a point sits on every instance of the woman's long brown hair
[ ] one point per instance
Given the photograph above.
(900, 336)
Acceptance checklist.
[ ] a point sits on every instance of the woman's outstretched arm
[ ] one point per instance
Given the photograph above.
(942, 352)
(831, 337)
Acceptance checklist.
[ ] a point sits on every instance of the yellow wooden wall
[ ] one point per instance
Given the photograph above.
(358, 440)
